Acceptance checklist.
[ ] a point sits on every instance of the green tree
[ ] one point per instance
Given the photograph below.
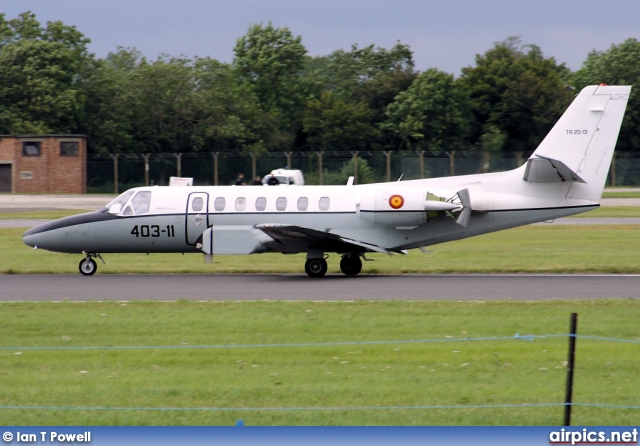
(619, 65)
(366, 77)
(517, 91)
(350, 73)
(271, 60)
(41, 72)
(433, 114)
(228, 114)
(333, 124)
(366, 173)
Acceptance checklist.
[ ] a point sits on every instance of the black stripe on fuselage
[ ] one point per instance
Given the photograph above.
(74, 220)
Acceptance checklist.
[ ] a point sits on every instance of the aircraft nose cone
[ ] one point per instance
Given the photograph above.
(30, 238)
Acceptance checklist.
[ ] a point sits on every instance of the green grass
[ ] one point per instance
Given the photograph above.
(611, 212)
(358, 375)
(534, 249)
(617, 194)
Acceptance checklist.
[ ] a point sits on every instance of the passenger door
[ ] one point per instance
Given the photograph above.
(197, 216)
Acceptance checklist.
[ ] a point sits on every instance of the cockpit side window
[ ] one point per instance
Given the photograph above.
(141, 202)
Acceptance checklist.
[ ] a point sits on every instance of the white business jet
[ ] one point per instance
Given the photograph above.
(564, 176)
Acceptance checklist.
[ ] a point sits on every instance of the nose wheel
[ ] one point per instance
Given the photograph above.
(88, 266)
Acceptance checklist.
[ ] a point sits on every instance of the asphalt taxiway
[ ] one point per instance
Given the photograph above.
(294, 287)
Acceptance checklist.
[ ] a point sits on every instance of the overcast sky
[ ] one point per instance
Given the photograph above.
(445, 34)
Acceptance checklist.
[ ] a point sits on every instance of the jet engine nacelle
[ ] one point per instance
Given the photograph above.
(402, 208)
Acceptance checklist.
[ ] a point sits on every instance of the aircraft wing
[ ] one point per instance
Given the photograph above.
(300, 238)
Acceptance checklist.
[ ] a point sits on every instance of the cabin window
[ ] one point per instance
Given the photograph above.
(303, 203)
(281, 203)
(324, 203)
(141, 202)
(197, 204)
(241, 203)
(219, 204)
(261, 203)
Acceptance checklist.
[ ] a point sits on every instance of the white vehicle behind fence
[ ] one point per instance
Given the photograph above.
(283, 176)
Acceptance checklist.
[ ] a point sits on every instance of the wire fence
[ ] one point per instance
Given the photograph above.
(115, 173)
(517, 336)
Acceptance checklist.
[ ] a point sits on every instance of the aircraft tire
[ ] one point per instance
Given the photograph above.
(351, 265)
(87, 267)
(315, 267)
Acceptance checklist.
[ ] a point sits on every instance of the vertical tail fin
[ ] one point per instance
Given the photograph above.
(580, 146)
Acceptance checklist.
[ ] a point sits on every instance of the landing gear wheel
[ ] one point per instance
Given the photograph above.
(87, 266)
(315, 267)
(351, 265)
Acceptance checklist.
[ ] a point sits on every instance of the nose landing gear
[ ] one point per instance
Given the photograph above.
(88, 266)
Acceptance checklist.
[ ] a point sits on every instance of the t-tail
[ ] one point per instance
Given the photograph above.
(580, 146)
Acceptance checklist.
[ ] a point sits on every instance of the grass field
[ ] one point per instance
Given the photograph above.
(137, 363)
(541, 248)
(50, 380)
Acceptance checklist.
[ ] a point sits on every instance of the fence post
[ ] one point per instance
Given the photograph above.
(115, 172)
(320, 154)
(568, 400)
(215, 168)
(179, 164)
(452, 163)
(288, 155)
(613, 170)
(355, 166)
(146, 168)
(254, 169)
(388, 155)
(421, 159)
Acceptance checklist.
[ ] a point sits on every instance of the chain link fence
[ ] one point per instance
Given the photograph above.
(115, 173)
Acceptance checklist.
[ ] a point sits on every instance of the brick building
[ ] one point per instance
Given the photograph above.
(43, 163)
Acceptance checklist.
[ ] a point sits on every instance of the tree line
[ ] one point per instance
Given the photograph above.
(273, 96)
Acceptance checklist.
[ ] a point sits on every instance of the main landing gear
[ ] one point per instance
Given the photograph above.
(350, 265)
(88, 266)
(315, 267)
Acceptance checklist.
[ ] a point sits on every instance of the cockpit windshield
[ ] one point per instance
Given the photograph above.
(140, 203)
(118, 203)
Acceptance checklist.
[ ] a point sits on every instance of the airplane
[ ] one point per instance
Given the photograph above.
(565, 175)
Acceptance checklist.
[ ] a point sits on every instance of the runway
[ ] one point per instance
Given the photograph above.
(249, 287)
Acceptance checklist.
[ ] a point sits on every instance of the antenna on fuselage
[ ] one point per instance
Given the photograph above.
(401, 175)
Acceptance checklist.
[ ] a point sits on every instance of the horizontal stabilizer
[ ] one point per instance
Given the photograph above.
(547, 170)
